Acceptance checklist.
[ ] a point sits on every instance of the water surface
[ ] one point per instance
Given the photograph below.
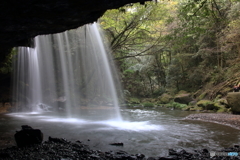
(148, 131)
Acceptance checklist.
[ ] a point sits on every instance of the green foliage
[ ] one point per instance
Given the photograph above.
(148, 105)
(176, 105)
(220, 108)
(159, 91)
(208, 105)
(175, 45)
(133, 100)
(128, 71)
(134, 33)
(7, 63)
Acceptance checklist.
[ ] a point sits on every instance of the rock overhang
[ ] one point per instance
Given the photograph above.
(22, 20)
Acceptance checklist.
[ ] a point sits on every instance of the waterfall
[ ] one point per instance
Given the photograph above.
(69, 74)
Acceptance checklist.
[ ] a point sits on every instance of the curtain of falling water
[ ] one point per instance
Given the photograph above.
(68, 74)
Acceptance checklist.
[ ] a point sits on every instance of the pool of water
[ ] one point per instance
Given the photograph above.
(148, 131)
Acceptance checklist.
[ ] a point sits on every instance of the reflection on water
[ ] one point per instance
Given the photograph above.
(151, 132)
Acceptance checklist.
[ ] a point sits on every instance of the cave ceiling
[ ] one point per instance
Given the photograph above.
(22, 20)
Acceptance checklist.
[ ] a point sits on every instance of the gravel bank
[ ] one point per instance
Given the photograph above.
(61, 149)
(220, 118)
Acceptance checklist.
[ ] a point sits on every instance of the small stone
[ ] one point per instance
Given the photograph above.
(117, 144)
(205, 151)
(236, 146)
(139, 155)
(172, 152)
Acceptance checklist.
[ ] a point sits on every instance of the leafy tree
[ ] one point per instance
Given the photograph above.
(135, 33)
(176, 45)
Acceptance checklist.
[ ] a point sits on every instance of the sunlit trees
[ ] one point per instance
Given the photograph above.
(173, 45)
(194, 42)
(135, 33)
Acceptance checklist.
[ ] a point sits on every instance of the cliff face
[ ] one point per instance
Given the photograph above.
(22, 20)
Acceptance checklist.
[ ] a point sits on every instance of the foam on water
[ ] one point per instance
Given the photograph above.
(98, 125)
(133, 126)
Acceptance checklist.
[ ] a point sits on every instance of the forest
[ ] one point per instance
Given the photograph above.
(177, 52)
(178, 64)
(169, 48)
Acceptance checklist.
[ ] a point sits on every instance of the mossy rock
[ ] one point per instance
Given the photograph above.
(220, 108)
(184, 98)
(202, 96)
(233, 100)
(187, 108)
(207, 105)
(199, 108)
(192, 103)
(133, 100)
(151, 100)
(192, 108)
(224, 102)
(182, 92)
(219, 96)
(196, 108)
(5, 107)
(165, 98)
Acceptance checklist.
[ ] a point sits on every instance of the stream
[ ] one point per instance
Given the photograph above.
(148, 131)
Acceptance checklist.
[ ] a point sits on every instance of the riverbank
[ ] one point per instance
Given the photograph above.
(151, 139)
(220, 118)
(58, 148)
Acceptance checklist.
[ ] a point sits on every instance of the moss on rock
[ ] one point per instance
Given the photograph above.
(184, 98)
(233, 100)
(207, 105)
(165, 98)
(133, 100)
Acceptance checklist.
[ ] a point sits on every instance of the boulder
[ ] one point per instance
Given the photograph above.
(183, 98)
(192, 103)
(165, 98)
(28, 136)
(224, 102)
(233, 99)
(207, 105)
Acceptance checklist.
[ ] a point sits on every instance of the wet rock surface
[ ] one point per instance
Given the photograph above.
(22, 20)
(28, 136)
(61, 149)
(58, 148)
(220, 118)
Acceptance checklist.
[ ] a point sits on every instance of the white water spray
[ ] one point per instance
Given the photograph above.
(69, 74)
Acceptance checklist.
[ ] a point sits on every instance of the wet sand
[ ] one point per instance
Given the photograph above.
(220, 118)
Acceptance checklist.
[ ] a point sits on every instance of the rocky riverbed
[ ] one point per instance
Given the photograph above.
(61, 149)
(220, 118)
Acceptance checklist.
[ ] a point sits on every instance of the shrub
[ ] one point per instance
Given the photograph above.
(148, 104)
(133, 100)
(176, 105)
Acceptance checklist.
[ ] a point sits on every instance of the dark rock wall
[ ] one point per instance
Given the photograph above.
(22, 20)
